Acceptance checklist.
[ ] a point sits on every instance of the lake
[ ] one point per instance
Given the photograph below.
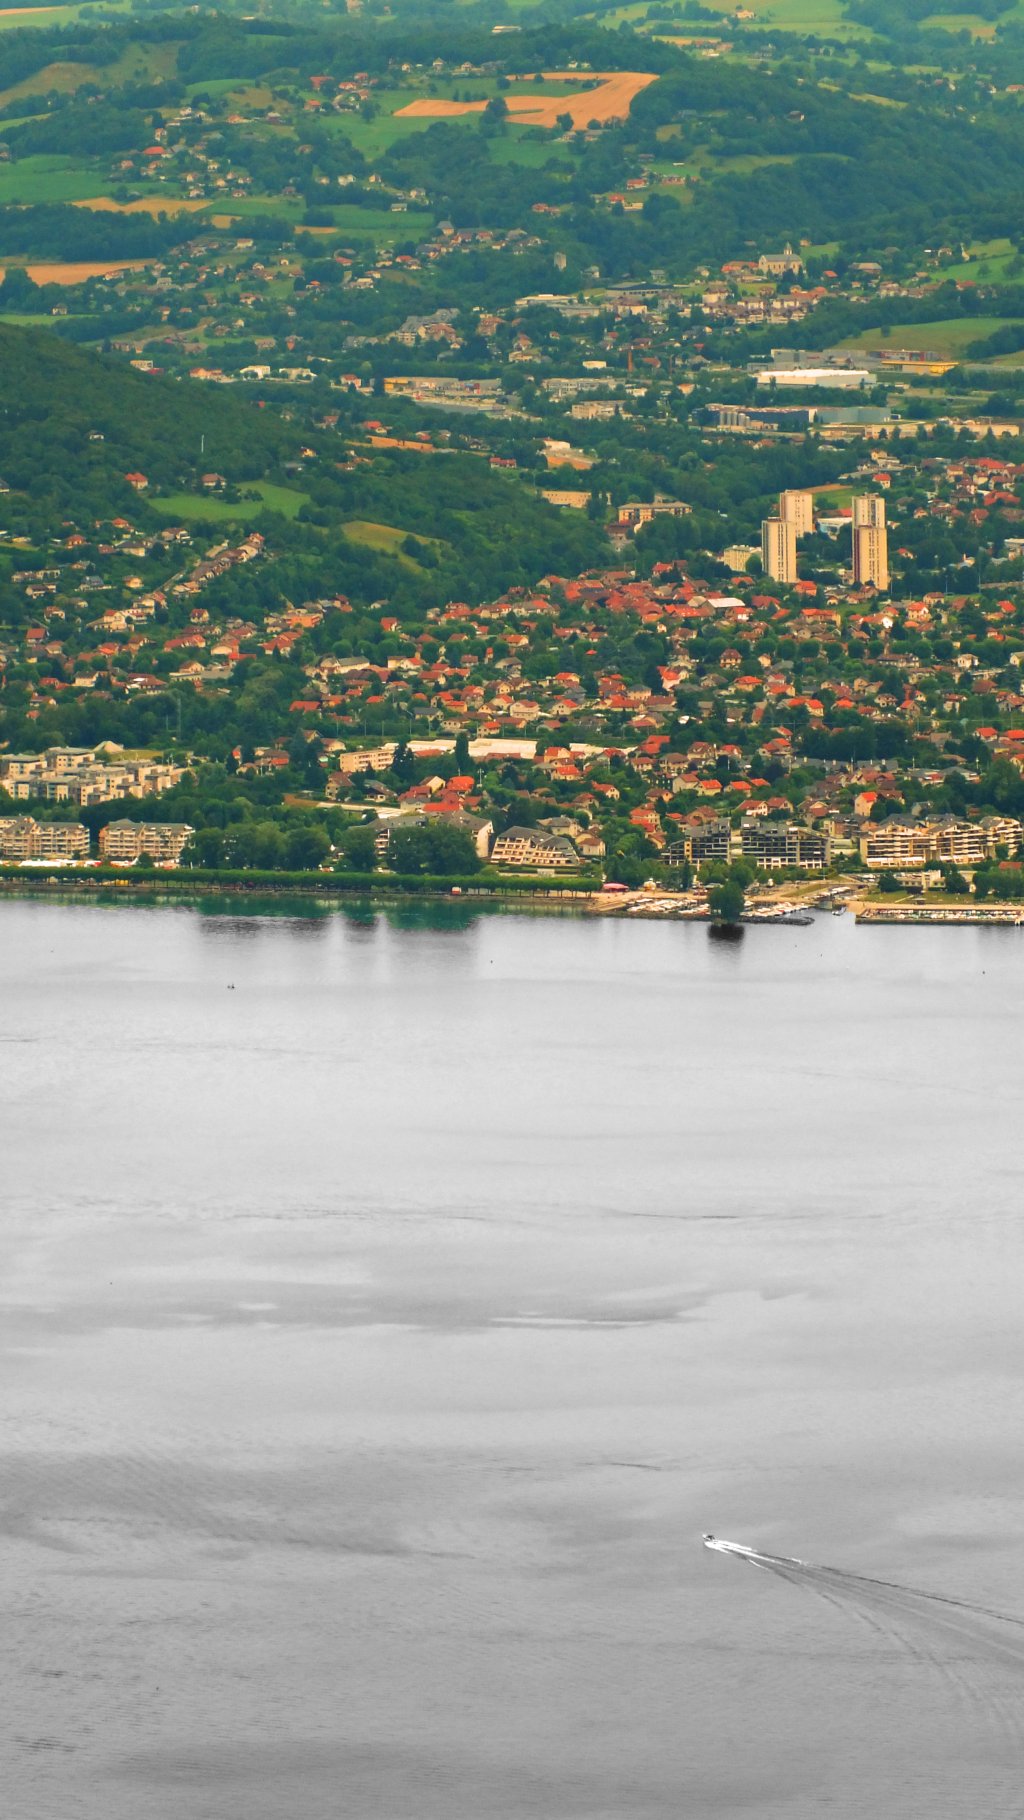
(389, 1302)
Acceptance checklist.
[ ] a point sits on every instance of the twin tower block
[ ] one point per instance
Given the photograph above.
(796, 519)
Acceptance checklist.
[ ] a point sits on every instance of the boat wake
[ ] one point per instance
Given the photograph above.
(976, 1651)
(941, 1606)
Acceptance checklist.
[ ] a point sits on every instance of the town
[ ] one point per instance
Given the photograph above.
(370, 510)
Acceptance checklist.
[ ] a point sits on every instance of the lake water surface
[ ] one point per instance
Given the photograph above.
(388, 1303)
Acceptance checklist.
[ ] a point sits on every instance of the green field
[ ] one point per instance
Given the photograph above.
(208, 509)
(373, 137)
(822, 18)
(47, 179)
(349, 219)
(946, 340)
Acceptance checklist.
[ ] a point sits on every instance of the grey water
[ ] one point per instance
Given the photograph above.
(389, 1302)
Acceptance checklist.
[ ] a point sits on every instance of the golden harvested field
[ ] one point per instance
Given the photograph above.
(143, 205)
(609, 98)
(78, 271)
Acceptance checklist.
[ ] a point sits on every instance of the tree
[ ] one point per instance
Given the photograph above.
(495, 115)
(403, 764)
(205, 848)
(726, 902)
(435, 846)
(306, 847)
(359, 849)
(18, 291)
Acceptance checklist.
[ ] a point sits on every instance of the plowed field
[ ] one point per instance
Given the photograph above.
(143, 205)
(78, 271)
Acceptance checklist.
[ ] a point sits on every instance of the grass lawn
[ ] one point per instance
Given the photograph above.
(347, 217)
(285, 208)
(46, 179)
(527, 145)
(207, 508)
(43, 319)
(960, 22)
(707, 163)
(386, 539)
(987, 264)
(628, 15)
(826, 18)
(246, 94)
(943, 339)
(57, 15)
(140, 63)
(411, 225)
(999, 360)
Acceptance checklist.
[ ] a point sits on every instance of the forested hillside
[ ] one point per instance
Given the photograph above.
(73, 423)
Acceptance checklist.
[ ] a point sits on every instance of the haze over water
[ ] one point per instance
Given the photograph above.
(386, 1306)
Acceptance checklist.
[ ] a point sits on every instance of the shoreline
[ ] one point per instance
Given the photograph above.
(787, 912)
(1006, 916)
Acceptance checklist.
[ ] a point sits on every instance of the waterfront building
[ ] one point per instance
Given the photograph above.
(534, 849)
(771, 844)
(702, 840)
(123, 842)
(23, 838)
(902, 841)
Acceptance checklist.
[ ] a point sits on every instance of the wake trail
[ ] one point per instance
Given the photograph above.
(882, 1625)
(844, 1579)
(919, 1623)
(977, 1651)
